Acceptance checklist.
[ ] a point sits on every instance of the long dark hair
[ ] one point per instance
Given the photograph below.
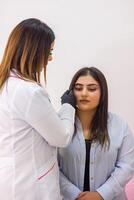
(27, 50)
(99, 130)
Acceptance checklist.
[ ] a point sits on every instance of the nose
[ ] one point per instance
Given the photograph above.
(84, 92)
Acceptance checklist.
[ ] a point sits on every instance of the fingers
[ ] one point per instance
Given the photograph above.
(81, 195)
(70, 91)
(67, 92)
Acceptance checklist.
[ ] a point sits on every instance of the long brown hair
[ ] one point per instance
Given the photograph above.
(99, 125)
(27, 50)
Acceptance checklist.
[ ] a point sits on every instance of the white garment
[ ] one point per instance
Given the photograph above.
(30, 131)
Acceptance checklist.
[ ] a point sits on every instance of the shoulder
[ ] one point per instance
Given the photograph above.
(114, 118)
(117, 124)
(28, 96)
(27, 92)
(29, 89)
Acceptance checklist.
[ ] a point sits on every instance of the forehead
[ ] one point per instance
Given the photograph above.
(88, 79)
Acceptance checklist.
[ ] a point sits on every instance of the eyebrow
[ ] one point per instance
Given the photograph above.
(91, 84)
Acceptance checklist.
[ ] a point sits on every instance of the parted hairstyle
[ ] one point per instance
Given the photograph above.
(27, 50)
(99, 130)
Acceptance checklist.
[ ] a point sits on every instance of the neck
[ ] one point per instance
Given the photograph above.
(86, 118)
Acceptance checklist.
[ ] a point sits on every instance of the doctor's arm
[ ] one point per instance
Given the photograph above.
(123, 171)
(39, 113)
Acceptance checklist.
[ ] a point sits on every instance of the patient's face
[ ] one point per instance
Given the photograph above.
(87, 93)
(50, 57)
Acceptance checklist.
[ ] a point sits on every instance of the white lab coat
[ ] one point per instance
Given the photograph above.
(30, 131)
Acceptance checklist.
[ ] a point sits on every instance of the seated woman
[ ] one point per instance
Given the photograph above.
(100, 159)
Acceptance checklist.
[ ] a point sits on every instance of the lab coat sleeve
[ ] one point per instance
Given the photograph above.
(68, 189)
(123, 171)
(39, 113)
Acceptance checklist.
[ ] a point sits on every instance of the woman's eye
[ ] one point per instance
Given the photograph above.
(92, 89)
(78, 88)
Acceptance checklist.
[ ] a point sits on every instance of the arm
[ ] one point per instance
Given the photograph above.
(124, 169)
(68, 189)
(72, 192)
(37, 110)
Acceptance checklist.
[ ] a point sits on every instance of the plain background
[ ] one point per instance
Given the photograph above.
(96, 33)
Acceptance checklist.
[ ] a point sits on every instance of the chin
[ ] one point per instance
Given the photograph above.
(84, 108)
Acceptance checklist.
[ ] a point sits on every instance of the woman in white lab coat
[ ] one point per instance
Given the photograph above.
(30, 129)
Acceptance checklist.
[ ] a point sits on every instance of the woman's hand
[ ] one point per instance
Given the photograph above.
(89, 196)
(68, 97)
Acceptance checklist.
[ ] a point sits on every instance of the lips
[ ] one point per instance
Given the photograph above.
(84, 101)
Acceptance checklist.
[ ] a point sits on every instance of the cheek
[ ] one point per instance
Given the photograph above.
(76, 94)
(50, 58)
(96, 97)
